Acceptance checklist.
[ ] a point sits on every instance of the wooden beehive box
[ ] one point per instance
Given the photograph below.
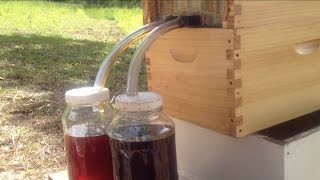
(257, 64)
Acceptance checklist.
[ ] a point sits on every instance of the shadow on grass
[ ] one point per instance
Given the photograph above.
(48, 66)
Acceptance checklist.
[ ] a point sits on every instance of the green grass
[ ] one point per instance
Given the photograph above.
(128, 18)
(66, 20)
(45, 49)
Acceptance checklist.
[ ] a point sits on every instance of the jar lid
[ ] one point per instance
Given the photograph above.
(86, 95)
(144, 101)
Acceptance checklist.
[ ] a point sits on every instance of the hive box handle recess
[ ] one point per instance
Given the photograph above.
(183, 56)
(307, 47)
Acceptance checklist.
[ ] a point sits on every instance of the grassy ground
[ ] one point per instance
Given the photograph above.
(45, 49)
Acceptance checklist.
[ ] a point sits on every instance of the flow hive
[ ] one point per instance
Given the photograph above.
(252, 64)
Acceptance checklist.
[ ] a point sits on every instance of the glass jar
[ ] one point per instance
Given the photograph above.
(85, 122)
(142, 139)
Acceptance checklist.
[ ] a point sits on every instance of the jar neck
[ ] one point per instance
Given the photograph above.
(88, 105)
(141, 113)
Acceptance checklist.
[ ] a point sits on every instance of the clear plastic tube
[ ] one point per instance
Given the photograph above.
(115, 52)
(132, 81)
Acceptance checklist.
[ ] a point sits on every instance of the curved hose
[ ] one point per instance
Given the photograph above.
(132, 81)
(115, 52)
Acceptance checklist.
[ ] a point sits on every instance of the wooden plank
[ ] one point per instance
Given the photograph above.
(256, 39)
(198, 34)
(220, 124)
(212, 99)
(277, 83)
(198, 91)
(217, 84)
(278, 73)
(220, 112)
(263, 13)
(269, 112)
(203, 48)
(200, 60)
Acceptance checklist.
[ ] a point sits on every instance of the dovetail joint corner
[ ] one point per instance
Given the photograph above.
(238, 102)
(234, 83)
(237, 42)
(238, 83)
(233, 54)
(237, 121)
(230, 54)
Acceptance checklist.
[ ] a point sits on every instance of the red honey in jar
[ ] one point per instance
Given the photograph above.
(85, 121)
